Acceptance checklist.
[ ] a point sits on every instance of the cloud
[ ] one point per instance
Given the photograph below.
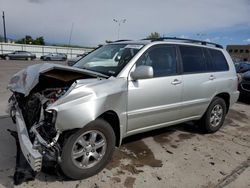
(93, 19)
(247, 40)
(36, 1)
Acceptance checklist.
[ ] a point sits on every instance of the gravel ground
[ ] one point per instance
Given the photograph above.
(177, 156)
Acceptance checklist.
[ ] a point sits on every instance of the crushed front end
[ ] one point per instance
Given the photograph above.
(34, 90)
(36, 126)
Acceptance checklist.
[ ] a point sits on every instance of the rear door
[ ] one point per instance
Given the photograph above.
(198, 81)
(155, 101)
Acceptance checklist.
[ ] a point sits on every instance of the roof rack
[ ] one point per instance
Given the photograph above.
(122, 40)
(188, 41)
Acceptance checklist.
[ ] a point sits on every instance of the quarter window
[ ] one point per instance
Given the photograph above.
(162, 58)
(218, 60)
(193, 60)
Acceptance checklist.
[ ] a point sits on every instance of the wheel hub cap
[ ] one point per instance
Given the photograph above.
(89, 149)
(216, 115)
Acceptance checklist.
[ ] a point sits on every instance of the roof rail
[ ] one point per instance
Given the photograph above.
(188, 41)
(122, 40)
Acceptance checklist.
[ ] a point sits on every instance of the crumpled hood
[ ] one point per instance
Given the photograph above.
(25, 80)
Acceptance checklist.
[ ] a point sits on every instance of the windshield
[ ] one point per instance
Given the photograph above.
(109, 59)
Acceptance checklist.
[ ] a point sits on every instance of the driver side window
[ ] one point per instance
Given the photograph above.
(162, 58)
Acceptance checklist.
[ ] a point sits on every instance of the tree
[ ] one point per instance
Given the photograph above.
(29, 40)
(39, 41)
(154, 35)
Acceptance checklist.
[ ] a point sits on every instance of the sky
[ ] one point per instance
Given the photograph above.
(91, 21)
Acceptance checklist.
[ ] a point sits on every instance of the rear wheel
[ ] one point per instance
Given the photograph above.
(7, 58)
(29, 58)
(214, 117)
(87, 152)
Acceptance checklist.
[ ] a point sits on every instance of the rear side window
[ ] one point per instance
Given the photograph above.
(218, 60)
(193, 59)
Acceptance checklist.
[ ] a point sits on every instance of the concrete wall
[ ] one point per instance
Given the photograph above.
(41, 50)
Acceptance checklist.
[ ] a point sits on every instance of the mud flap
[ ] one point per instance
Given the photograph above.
(23, 171)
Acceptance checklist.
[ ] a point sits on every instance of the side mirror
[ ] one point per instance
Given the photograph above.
(142, 72)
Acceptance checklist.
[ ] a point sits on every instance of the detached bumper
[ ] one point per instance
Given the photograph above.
(32, 155)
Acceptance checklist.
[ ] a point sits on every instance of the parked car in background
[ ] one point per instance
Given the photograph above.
(244, 85)
(242, 67)
(118, 90)
(18, 55)
(54, 57)
(72, 61)
(243, 70)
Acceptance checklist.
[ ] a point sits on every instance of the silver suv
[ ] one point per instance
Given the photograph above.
(75, 116)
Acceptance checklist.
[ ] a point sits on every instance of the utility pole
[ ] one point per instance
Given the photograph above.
(119, 24)
(4, 29)
(71, 30)
(70, 35)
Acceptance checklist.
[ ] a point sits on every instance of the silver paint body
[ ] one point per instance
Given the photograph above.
(144, 104)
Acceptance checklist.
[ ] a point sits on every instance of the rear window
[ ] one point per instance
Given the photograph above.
(193, 59)
(218, 60)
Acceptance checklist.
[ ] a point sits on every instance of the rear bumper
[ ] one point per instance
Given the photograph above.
(32, 155)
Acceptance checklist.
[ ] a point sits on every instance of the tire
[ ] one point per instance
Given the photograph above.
(47, 59)
(29, 58)
(212, 120)
(7, 58)
(75, 169)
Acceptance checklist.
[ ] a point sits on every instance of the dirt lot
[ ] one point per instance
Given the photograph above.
(178, 156)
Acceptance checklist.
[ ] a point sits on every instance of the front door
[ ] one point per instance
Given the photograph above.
(154, 102)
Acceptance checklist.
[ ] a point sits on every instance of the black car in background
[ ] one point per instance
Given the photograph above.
(18, 55)
(244, 85)
(242, 67)
(243, 70)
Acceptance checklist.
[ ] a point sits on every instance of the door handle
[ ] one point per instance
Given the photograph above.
(211, 77)
(176, 82)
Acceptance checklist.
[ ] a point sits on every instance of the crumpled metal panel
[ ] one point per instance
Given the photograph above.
(25, 80)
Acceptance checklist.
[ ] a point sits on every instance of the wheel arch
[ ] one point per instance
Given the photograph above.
(226, 97)
(113, 119)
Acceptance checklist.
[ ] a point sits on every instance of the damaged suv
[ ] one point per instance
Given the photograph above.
(74, 117)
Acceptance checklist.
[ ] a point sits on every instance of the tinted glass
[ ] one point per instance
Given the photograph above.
(193, 59)
(162, 58)
(218, 60)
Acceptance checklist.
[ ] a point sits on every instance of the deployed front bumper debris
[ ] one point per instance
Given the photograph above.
(32, 148)
(32, 155)
(23, 171)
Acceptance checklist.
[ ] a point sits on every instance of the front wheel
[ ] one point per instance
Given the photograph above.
(87, 152)
(214, 117)
(7, 58)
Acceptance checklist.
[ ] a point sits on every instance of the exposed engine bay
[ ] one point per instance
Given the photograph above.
(40, 122)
